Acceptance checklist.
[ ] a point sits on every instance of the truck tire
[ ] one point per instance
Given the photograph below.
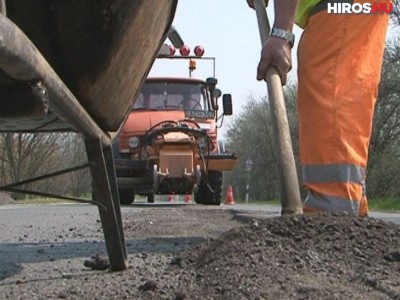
(207, 197)
(150, 198)
(126, 196)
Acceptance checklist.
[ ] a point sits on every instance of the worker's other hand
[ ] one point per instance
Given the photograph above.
(251, 3)
(275, 52)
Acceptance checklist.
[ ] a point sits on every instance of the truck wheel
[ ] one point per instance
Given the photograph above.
(126, 196)
(207, 197)
(150, 198)
(215, 181)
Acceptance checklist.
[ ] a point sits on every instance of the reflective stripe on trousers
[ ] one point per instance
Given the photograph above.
(339, 62)
(348, 178)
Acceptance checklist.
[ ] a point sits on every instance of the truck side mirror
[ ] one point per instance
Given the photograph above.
(227, 104)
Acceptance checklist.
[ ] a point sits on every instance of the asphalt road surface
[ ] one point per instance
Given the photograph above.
(74, 230)
(44, 246)
(53, 233)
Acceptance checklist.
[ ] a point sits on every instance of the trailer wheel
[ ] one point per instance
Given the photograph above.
(150, 198)
(126, 196)
(205, 195)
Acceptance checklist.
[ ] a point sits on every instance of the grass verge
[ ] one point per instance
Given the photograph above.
(384, 204)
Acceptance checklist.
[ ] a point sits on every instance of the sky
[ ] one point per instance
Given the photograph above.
(228, 31)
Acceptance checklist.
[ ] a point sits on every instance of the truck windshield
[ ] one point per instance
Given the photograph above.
(176, 96)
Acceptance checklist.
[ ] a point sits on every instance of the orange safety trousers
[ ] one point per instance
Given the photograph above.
(339, 64)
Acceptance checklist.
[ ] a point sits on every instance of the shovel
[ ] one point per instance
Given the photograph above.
(289, 184)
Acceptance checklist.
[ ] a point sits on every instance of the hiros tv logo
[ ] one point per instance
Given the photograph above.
(359, 8)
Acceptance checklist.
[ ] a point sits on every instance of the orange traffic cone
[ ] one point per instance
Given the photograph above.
(170, 198)
(229, 196)
(188, 198)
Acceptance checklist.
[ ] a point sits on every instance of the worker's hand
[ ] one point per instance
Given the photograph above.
(275, 52)
(251, 3)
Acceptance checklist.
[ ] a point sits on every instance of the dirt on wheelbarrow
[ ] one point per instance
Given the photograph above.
(200, 253)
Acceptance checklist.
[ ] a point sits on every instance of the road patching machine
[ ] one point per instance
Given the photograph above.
(169, 144)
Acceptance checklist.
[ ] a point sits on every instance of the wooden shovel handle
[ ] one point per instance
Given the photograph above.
(289, 184)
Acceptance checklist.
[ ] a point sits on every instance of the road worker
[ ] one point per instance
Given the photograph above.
(339, 64)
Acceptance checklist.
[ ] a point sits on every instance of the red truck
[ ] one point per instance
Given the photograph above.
(169, 143)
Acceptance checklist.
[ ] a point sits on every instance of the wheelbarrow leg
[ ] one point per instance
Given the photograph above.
(108, 156)
(105, 191)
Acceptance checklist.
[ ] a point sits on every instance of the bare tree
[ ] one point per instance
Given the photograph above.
(251, 135)
(384, 159)
(24, 156)
(395, 15)
(73, 153)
